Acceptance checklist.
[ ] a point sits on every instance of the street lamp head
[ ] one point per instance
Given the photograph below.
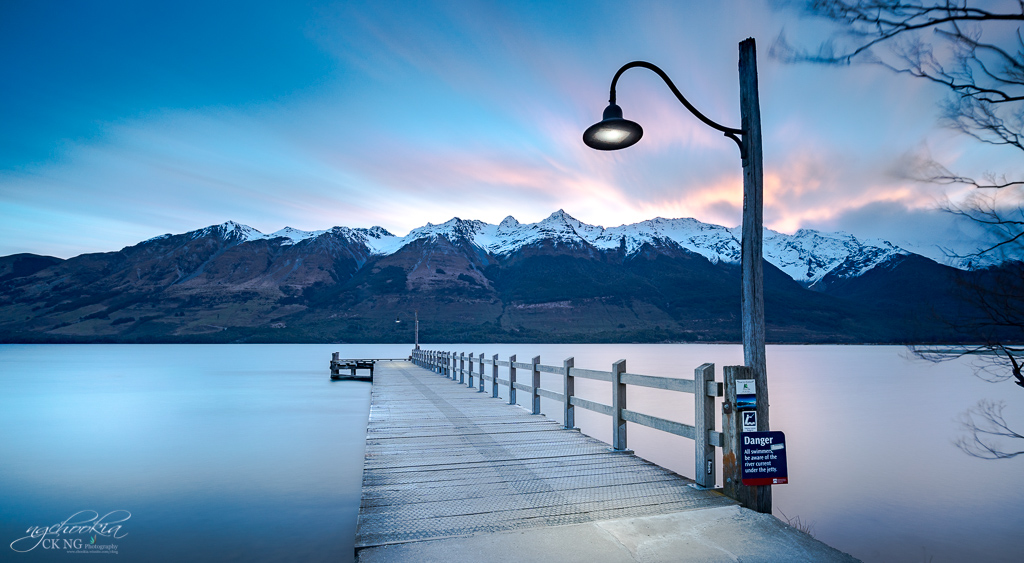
(612, 132)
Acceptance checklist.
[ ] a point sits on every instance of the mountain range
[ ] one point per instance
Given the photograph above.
(555, 280)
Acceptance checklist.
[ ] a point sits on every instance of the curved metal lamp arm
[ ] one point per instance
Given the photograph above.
(728, 131)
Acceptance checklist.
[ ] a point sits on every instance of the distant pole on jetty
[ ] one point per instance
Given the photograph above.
(614, 133)
(417, 324)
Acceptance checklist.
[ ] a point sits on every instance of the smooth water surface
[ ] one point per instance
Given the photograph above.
(218, 452)
(251, 453)
(869, 431)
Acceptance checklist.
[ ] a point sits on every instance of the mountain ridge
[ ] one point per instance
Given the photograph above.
(555, 280)
(807, 255)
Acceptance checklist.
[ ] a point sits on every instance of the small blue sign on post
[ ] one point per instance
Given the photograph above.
(763, 458)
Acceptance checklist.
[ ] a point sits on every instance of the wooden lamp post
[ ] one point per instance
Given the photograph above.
(613, 133)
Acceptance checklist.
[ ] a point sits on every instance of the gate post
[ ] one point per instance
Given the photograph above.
(704, 393)
(757, 498)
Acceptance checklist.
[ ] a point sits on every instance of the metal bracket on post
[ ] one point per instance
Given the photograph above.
(512, 379)
(568, 390)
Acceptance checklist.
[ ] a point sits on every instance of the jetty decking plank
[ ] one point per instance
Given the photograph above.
(444, 460)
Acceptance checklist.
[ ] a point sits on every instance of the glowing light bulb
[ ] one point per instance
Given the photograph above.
(610, 135)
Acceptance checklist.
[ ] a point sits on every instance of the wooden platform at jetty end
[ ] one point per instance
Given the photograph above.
(443, 460)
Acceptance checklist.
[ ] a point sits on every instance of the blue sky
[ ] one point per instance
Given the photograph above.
(127, 120)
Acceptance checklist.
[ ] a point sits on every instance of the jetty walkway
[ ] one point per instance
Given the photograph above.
(452, 474)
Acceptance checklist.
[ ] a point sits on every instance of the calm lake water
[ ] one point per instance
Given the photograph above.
(250, 453)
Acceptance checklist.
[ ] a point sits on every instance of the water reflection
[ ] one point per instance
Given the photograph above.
(251, 453)
(869, 433)
(220, 453)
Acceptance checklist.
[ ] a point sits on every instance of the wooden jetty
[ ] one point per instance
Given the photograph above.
(451, 473)
(352, 366)
(444, 460)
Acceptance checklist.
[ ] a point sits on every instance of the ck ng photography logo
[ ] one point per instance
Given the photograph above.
(83, 532)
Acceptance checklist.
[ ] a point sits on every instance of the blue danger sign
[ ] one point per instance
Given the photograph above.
(763, 458)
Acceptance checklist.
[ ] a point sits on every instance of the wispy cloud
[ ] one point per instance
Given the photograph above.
(399, 114)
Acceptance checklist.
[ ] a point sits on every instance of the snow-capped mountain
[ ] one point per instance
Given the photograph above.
(558, 279)
(807, 255)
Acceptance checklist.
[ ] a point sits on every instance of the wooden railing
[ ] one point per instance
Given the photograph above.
(463, 369)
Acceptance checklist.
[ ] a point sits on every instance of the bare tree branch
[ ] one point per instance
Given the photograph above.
(983, 77)
(942, 42)
(985, 426)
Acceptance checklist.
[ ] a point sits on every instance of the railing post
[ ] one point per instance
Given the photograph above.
(618, 403)
(512, 379)
(481, 390)
(704, 424)
(750, 497)
(471, 370)
(334, 366)
(568, 390)
(536, 385)
(462, 367)
(494, 374)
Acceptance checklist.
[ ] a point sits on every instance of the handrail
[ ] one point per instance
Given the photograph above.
(591, 374)
(654, 382)
(591, 405)
(665, 425)
(525, 377)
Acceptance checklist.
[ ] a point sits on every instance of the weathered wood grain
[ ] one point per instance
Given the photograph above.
(444, 460)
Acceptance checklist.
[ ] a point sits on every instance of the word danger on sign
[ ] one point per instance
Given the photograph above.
(763, 458)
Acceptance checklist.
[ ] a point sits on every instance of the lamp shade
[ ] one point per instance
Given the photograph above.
(613, 132)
